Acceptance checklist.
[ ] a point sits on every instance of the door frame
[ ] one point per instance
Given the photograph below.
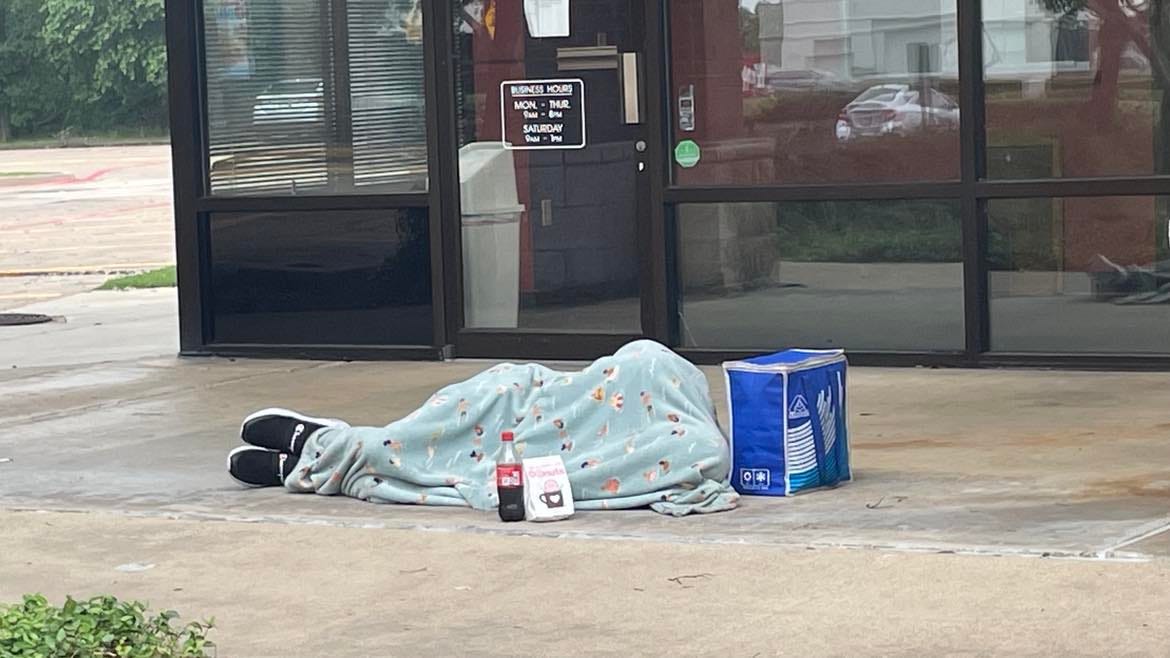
(649, 211)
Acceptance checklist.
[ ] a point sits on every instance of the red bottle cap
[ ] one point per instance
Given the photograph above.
(507, 436)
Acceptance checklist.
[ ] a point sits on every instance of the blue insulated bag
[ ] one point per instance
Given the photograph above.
(788, 424)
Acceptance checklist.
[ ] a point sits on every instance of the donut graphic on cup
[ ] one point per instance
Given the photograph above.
(552, 496)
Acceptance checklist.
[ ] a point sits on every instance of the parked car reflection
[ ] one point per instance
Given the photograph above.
(802, 80)
(302, 102)
(297, 101)
(896, 109)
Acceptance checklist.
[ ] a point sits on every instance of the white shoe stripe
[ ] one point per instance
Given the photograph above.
(288, 413)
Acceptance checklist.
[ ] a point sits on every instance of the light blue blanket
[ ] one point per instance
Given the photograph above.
(635, 429)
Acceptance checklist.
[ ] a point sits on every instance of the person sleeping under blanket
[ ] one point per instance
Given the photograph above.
(635, 429)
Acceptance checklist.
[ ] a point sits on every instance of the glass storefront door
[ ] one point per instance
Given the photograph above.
(926, 182)
(551, 138)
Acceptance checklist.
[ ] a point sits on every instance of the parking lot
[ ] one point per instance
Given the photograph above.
(69, 217)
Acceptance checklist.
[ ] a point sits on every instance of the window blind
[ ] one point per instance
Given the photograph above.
(315, 96)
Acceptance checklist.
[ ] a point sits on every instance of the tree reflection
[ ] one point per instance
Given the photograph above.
(1144, 24)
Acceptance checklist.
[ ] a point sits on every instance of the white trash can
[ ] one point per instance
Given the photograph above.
(491, 214)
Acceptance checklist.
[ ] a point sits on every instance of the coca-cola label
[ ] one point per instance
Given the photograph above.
(509, 475)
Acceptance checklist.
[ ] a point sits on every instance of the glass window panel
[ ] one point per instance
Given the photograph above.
(335, 278)
(863, 275)
(1079, 275)
(315, 97)
(815, 91)
(549, 235)
(1075, 89)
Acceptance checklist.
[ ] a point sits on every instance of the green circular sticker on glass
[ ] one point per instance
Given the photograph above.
(686, 154)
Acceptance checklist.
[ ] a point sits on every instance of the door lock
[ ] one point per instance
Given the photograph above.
(686, 108)
(640, 146)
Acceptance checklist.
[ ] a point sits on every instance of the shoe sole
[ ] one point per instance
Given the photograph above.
(289, 413)
(237, 451)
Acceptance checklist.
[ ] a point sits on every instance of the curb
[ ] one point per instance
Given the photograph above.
(120, 268)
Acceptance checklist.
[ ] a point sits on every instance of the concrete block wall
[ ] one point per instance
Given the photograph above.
(727, 246)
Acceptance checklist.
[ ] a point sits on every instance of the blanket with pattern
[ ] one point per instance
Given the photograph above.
(635, 429)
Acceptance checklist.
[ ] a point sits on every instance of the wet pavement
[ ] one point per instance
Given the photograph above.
(1064, 464)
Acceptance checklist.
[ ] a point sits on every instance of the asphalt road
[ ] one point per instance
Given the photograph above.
(68, 217)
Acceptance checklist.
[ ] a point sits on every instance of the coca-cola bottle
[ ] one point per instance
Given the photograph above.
(510, 482)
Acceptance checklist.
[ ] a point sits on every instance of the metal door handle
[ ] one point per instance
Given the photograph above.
(587, 58)
(628, 69)
(546, 212)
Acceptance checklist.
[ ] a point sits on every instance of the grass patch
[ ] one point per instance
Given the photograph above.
(164, 277)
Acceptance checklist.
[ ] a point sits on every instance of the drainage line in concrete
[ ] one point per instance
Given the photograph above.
(1161, 528)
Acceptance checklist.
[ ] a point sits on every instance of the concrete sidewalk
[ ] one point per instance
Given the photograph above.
(985, 463)
(1069, 463)
(1037, 463)
(320, 591)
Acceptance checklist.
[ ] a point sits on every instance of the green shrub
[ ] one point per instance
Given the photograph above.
(102, 627)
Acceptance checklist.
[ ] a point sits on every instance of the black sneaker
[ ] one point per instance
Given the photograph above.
(257, 467)
(283, 430)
